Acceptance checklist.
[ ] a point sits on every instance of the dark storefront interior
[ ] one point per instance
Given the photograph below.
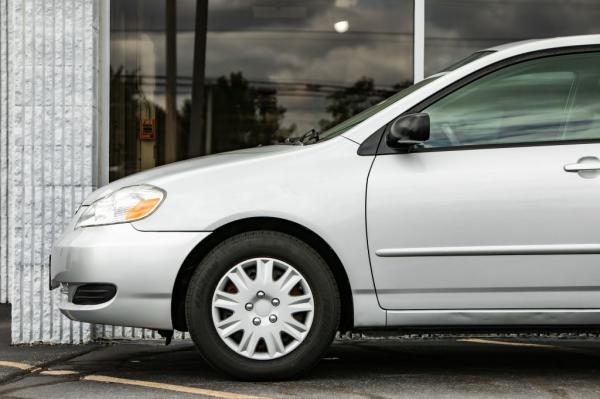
(191, 78)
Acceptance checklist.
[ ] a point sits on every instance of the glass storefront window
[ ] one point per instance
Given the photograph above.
(191, 78)
(456, 28)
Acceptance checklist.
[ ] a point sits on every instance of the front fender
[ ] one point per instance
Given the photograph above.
(321, 187)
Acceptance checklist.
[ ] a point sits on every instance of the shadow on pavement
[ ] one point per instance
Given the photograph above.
(384, 368)
(379, 369)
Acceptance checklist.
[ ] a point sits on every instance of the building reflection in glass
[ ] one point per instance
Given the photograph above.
(191, 78)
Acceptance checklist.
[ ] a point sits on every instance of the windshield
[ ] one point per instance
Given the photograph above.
(356, 119)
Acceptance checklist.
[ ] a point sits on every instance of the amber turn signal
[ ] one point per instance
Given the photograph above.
(142, 208)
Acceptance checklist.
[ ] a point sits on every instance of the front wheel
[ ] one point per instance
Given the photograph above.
(262, 305)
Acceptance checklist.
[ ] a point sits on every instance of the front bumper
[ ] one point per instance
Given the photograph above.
(142, 265)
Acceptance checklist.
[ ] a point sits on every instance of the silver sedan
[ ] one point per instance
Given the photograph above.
(469, 199)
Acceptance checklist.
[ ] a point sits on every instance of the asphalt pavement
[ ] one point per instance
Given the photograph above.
(447, 367)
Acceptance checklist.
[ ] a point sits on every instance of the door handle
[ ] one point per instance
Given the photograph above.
(585, 164)
(586, 167)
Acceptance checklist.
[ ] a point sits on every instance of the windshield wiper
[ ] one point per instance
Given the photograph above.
(310, 137)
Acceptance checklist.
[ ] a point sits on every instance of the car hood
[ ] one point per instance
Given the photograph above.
(156, 175)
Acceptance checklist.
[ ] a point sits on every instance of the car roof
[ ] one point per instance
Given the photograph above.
(546, 43)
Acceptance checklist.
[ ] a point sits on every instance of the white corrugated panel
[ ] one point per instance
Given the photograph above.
(52, 71)
(3, 156)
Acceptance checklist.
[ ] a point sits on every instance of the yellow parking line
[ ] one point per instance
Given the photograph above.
(127, 381)
(15, 365)
(170, 387)
(507, 343)
(59, 372)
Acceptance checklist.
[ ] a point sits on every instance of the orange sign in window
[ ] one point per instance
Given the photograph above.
(148, 129)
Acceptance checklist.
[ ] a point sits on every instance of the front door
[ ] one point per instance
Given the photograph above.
(500, 209)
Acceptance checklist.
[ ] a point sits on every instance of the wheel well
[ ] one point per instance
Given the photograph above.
(252, 224)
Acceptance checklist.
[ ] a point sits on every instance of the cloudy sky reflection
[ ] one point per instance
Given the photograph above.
(456, 28)
(274, 41)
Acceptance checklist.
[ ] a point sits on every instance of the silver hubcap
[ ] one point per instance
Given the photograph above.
(263, 308)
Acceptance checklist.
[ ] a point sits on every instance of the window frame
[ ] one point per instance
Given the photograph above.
(101, 162)
(384, 149)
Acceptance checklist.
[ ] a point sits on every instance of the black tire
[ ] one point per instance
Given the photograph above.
(252, 245)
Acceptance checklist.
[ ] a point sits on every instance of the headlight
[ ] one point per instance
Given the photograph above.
(125, 205)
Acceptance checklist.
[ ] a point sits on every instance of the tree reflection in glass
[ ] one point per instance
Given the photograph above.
(246, 73)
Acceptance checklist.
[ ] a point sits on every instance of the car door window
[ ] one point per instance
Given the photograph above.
(583, 121)
(549, 99)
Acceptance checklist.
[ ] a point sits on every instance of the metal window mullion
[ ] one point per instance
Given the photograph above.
(418, 40)
(102, 151)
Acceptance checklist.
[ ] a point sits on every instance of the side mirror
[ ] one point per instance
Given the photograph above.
(408, 130)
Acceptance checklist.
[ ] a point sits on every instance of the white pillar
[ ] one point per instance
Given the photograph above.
(51, 114)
